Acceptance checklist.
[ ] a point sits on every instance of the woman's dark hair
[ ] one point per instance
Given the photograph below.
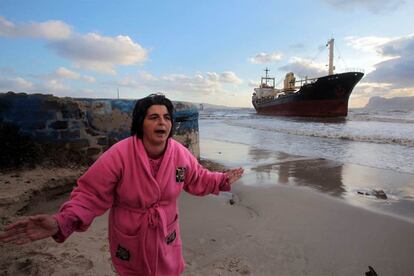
(140, 111)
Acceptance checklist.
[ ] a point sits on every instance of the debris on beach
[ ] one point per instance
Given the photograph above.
(379, 194)
(371, 272)
(234, 199)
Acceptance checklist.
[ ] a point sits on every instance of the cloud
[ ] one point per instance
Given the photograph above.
(262, 58)
(88, 79)
(15, 84)
(147, 76)
(304, 67)
(373, 88)
(367, 43)
(230, 77)
(253, 83)
(374, 6)
(7, 71)
(62, 72)
(399, 70)
(67, 74)
(299, 45)
(100, 53)
(50, 30)
(401, 92)
(53, 86)
(399, 47)
(90, 51)
(129, 82)
(199, 84)
(60, 88)
(212, 76)
(57, 82)
(225, 77)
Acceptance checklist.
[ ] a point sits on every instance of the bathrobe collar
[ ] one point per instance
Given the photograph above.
(161, 179)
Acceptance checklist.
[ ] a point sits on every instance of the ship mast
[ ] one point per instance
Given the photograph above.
(331, 67)
(264, 83)
(267, 76)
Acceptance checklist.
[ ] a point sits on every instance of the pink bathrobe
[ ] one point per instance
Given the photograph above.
(144, 233)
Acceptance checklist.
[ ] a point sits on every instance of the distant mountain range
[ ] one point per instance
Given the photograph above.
(397, 103)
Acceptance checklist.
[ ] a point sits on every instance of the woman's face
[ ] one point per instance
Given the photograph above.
(157, 125)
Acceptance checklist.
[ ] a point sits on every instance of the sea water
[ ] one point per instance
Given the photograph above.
(367, 142)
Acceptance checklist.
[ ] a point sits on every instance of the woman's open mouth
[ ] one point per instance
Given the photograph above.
(160, 131)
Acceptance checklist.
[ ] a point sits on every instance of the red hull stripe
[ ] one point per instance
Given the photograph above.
(321, 108)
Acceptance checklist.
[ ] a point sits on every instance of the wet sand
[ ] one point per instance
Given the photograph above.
(290, 216)
(291, 231)
(351, 182)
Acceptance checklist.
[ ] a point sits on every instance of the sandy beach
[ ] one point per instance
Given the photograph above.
(275, 228)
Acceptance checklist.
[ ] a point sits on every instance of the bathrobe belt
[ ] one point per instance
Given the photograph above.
(155, 217)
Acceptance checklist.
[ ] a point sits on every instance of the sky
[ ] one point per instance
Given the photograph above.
(201, 51)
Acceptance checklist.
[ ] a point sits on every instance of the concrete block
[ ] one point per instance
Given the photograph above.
(46, 135)
(32, 125)
(70, 134)
(59, 125)
(102, 141)
(77, 145)
(93, 151)
(75, 124)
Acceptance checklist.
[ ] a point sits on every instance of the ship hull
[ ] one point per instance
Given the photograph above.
(326, 97)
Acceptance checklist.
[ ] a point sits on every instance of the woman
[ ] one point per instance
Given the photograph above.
(139, 179)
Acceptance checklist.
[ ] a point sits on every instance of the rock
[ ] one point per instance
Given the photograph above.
(380, 194)
(371, 272)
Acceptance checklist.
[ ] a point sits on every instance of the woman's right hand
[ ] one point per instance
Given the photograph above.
(30, 229)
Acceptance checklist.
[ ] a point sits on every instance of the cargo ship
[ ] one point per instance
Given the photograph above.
(316, 97)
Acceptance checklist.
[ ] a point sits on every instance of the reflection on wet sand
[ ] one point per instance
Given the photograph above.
(321, 174)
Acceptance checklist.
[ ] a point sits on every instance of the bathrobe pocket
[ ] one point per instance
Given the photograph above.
(173, 238)
(171, 250)
(126, 251)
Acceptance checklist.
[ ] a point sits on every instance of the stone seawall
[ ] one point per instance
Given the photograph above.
(87, 126)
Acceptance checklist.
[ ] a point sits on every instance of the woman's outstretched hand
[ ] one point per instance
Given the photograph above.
(30, 229)
(234, 174)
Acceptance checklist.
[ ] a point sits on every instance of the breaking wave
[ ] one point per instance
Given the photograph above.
(329, 134)
(392, 127)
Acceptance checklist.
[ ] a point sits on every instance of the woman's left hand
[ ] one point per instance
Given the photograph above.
(234, 174)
